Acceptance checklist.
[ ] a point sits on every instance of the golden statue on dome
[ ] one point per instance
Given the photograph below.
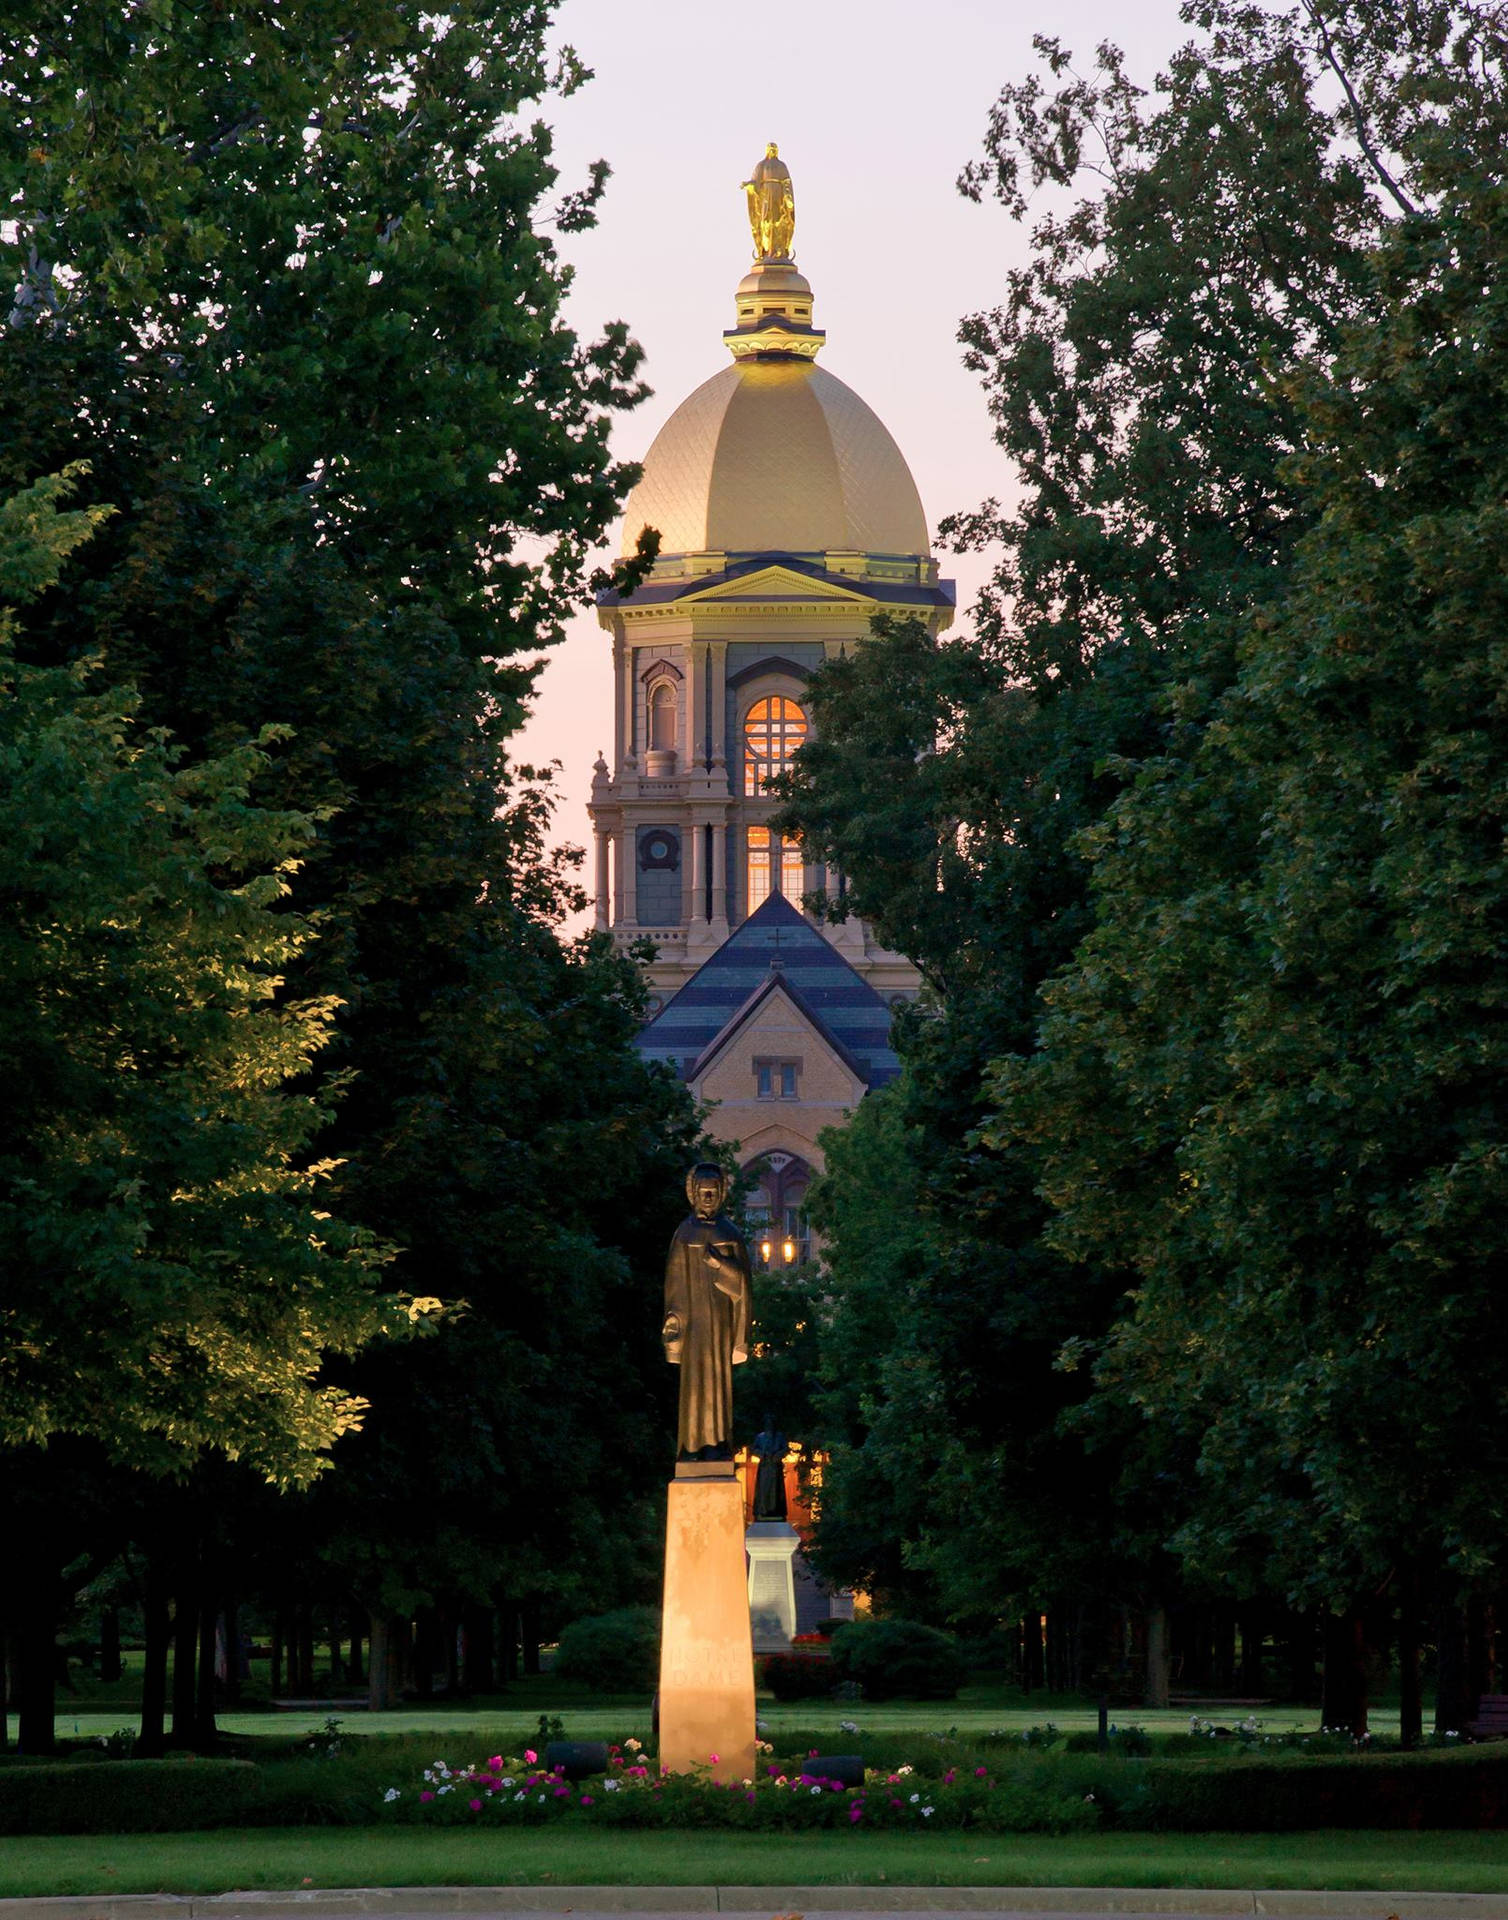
(772, 207)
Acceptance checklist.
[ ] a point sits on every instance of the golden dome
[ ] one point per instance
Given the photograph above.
(774, 454)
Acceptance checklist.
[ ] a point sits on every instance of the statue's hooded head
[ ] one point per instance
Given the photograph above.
(706, 1189)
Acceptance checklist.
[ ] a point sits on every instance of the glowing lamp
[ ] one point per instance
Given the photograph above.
(789, 1250)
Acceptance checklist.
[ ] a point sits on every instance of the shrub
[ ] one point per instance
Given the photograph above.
(1135, 1743)
(612, 1652)
(797, 1676)
(897, 1658)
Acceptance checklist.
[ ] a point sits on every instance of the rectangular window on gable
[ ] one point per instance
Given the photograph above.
(776, 1079)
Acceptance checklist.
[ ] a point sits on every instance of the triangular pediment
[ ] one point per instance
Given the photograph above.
(777, 994)
(777, 583)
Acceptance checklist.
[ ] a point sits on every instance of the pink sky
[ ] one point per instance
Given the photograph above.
(876, 105)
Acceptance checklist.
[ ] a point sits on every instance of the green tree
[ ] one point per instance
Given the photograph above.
(173, 1279)
(1283, 1041)
(290, 281)
(1128, 372)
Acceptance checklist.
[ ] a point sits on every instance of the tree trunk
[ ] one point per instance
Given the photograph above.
(1223, 1624)
(386, 1653)
(508, 1637)
(154, 1673)
(185, 1661)
(305, 1619)
(1344, 1705)
(1158, 1679)
(1253, 1632)
(205, 1730)
(275, 1665)
(481, 1650)
(354, 1668)
(1455, 1707)
(1410, 1694)
(529, 1633)
(110, 1668)
(36, 1673)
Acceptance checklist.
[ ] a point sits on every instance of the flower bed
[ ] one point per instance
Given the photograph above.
(784, 1794)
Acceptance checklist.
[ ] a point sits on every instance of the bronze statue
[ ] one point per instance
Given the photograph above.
(772, 206)
(706, 1330)
(769, 1480)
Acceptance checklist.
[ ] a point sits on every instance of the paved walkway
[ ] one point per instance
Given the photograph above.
(772, 1903)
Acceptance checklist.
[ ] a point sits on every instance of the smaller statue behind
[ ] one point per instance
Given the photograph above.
(769, 1480)
(772, 207)
(707, 1309)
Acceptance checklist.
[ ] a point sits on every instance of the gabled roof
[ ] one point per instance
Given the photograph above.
(843, 1007)
(774, 983)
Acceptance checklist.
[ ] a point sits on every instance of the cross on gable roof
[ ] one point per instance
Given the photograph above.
(775, 942)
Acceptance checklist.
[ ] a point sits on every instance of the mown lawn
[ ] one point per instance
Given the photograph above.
(323, 1857)
(501, 1722)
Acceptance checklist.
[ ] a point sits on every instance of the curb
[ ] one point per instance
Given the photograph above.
(783, 1902)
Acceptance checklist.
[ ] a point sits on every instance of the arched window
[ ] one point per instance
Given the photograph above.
(773, 729)
(766, 871)
(662, 717)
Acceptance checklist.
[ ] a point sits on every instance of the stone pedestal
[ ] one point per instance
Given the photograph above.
(706, 1654)
(771, 1546)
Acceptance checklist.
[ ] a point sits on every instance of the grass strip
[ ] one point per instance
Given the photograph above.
(280, 1858)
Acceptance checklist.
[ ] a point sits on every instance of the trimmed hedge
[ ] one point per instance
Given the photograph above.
(1394, 1790)
(129, 1796)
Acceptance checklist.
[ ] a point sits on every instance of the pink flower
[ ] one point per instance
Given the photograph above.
(586, 1800)
(856, 1813)
(562, 1793)
(426, 1795)
(495, 1764)
(948, 1778)
(714, 1758)
(530, 1755)
(979, 1773)
(475, 1805)
(811, 1753)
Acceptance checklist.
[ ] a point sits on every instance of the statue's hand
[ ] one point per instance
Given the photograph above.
(670, 1333)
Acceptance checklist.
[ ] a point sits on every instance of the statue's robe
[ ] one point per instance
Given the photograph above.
(712, 1312)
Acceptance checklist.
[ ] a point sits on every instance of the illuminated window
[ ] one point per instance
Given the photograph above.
(662, 717)
(787, 880)
(773, 730)
(775, 1079)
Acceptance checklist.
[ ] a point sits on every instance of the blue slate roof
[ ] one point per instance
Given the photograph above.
(838, 1001)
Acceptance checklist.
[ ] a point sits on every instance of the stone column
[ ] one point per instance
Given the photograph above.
(628, 875)
(720, 872)
(698, 867)
(604, 898)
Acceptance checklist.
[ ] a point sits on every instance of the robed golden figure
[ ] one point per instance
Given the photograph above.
(707, 1311)
(772, 206)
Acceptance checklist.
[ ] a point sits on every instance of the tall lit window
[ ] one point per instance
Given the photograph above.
(662, 717)
(773, 730)
(787, 877)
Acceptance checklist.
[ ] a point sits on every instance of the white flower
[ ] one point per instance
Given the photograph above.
(391, 1794)
(926, 1813)
(633, 1745)
(611, 1786)
(505, 1783)
(915, 1798)
(520, 1795)
(848, 1726)
(816, 1789)
(901, 1772)
(447, 1789)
